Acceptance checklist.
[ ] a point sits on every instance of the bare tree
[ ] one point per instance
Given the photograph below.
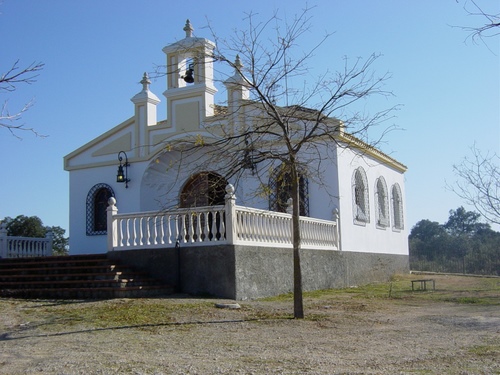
(9, 82)
(261, 132)
(478, 183)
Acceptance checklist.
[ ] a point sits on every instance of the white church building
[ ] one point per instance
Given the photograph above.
(181, 219)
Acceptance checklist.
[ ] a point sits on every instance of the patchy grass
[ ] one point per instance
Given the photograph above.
(486, 350)
(455, 289)
(147, 313)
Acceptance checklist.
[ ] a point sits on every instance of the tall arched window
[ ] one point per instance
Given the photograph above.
(382, 203)
(397, 207)
(360, 201)
(97, 203)
(203, 189)
(280, 185)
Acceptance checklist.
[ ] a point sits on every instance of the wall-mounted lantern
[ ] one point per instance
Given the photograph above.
(120, 176)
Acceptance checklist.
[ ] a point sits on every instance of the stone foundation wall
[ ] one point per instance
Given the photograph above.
(247, 272)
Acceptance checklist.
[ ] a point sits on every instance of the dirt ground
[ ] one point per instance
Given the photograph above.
(378, 329)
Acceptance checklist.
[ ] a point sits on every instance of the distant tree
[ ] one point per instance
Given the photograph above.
(24, 226)
(9, 82)
(60, 244)
(462, 244)
(426, 230)
(428, 239)
(478, 183)
(464, 223)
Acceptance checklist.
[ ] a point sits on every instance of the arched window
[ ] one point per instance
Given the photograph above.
(280, 185)
(382, 203)
(360, 202)
(97, 203)
(203, 189)
(397, 207)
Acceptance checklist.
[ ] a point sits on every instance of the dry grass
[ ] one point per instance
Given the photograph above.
(374, 329)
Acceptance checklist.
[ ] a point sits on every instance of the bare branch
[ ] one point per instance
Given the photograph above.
(15, 75)
(478, 183)
(490, 28)
(9, 82)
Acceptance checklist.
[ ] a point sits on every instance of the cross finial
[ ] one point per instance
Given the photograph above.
(145, 82)
(188, 29)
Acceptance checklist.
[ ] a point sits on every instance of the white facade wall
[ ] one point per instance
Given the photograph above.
(81, 182)
(368, 237)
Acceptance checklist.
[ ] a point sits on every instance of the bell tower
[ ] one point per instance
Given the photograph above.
(190, 81)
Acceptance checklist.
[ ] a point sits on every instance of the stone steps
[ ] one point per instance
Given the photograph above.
(75, 277)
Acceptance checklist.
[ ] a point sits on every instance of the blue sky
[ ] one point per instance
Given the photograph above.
(96, 51)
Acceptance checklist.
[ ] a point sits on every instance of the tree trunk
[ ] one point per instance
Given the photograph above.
(298, 307)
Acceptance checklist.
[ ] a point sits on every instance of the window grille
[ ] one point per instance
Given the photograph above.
(360, 201)
(203, 189)
(280, 187)
(97, 203)
(397, 207)
(382, 203)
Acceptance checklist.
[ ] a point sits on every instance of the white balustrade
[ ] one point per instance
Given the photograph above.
(159, 230)
(215, 225)
(24, 247)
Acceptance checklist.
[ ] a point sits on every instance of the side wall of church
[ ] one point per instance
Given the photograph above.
(369, 236)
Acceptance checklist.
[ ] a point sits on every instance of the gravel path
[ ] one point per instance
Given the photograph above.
(351, 336)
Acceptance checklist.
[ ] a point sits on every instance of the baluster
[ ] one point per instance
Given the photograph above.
(241, 223)
(161, 232)
(222, 225)
(256, 224)
(254, 229)
(306, 232)
(245, 226)
(145, 231)
(151, 222)
(137, 234)
(274, 224)
(212, 227)
(283, 223)
(119, 232)
(184, 229)
(191, 227)
(198, 217)
(129, 243)
(283, 235)
(261, 230)
(206, 233)
(177, 229)
(169, 229)
(267, 227)
(156, 221)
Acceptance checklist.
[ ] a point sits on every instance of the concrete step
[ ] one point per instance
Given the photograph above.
(75, 277)
(39, 277)
(89, 293)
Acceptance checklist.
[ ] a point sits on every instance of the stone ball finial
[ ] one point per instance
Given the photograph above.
(230, 189)
(112, 201)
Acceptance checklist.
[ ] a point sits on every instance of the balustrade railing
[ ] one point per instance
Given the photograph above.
(154, 229)
(24, 247)
(215, 225)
